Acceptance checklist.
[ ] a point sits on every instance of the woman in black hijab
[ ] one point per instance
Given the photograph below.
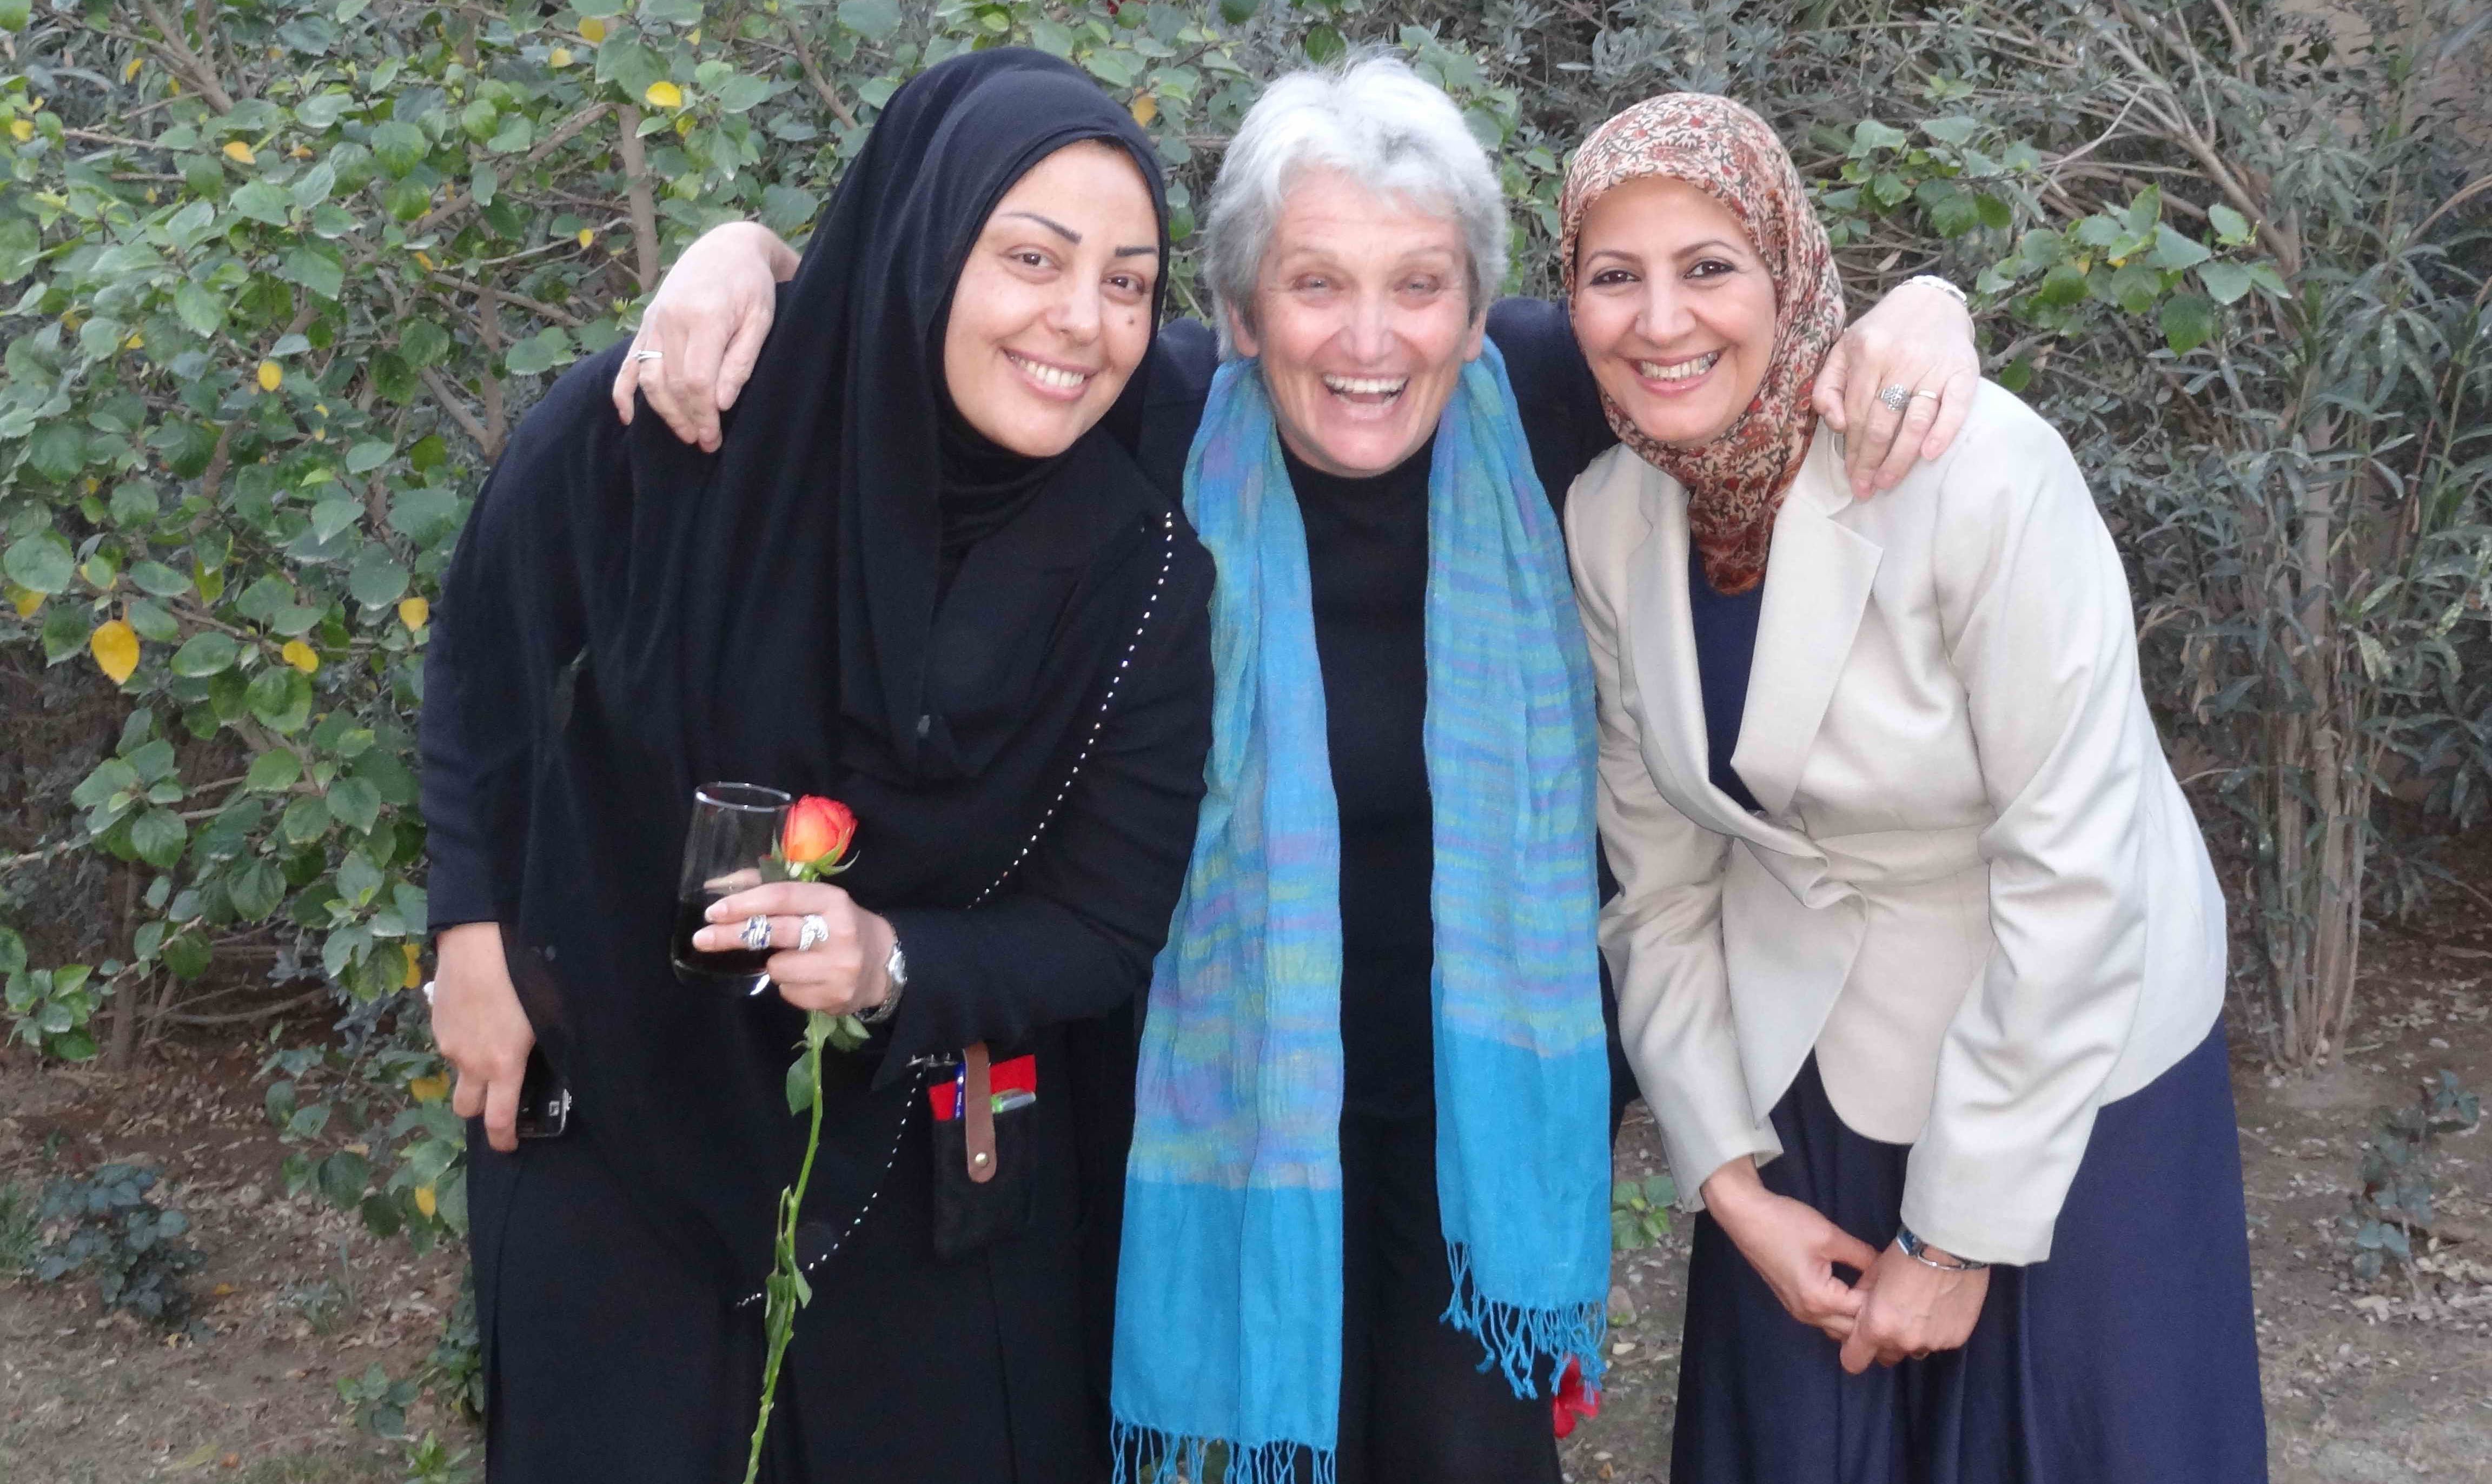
(917, 577)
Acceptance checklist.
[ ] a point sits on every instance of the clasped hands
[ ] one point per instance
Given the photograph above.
(1898, 1309)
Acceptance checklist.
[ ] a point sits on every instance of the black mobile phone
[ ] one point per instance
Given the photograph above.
(545, 1103)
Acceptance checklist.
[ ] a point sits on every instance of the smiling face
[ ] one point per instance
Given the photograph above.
(1672, 307)
(1363, 322)
(1053, 310)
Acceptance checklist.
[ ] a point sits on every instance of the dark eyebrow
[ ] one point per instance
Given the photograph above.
(1145, 252)
(1717, 244)
(1057, 227)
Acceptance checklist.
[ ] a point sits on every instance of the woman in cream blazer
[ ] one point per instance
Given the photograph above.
(1918, 952)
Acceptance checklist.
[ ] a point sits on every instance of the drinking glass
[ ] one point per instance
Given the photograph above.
(731, 847)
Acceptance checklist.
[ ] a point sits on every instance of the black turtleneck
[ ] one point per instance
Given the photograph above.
(1367, 556)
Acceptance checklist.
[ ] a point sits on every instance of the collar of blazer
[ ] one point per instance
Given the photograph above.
(1816, 585)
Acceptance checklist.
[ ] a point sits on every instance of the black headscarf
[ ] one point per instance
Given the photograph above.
(829, 503)
(770, 613)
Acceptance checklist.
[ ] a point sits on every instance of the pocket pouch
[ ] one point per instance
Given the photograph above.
(972, 1215)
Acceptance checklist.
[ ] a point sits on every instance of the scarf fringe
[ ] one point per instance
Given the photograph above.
(1147, 1455)
(1519, 1339)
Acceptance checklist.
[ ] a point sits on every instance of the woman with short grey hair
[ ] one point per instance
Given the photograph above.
(1364, 1218)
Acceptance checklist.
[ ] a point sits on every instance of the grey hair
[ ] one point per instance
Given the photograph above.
(1375, 119)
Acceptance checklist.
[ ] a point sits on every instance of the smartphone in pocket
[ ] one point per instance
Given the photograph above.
(545, 1103)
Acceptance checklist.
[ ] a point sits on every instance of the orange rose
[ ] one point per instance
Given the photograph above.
(818, 833)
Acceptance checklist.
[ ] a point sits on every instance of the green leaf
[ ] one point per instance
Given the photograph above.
(1325, 46)
(422, 343)
(157, 836)
(262, 202)
(20, 244)
(2232, 229)
(205, 654)
(2063, 285)
(158, 580)
(1994, 213)
(800, 1087)
(377, 579)
(15, 13)
(57, 451)
(273, 772)
(1951, 131)
(201, 309)
(1239, 12)
(280, 696)
(2174, 252)
(343, 1176)
(256, 887)
(2225, 283)
(399, 146)
(318, 268)
(540, 352)
(2188, 322)
(1869, 135)
(355, 801)
(41, 563)
(187, 954)
(13, 953)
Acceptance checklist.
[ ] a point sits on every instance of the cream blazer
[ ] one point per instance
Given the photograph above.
(1973, 888)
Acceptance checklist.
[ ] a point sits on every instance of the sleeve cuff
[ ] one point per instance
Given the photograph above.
(1695, 1155)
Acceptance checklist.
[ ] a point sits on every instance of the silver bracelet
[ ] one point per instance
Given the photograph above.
(1919, 1251)
(895, 974)
(1938, 284)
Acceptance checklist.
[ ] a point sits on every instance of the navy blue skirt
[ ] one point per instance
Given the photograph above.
(2129, 1358)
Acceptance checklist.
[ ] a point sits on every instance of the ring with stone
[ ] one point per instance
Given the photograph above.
(756, 931)
(810, 931)
(1896, 398)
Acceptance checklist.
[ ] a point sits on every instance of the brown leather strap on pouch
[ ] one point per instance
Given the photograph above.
(978, 1116)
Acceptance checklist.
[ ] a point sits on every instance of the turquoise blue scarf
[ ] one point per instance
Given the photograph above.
(1229, 1299)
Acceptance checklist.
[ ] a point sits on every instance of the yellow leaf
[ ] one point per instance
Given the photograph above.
(683, 123)
(414, 968)
(301, 656)
(1145, 108)
(300, 151)
(25, 600)
(426, 1202)
(663, 94)
(414, 612)
(21, 129)
(693, 36)
(429, 1089)
(560, 56)
(593, 29)
(587, 238)
(240, 153)
(134, 342)
(424, 260)
(130, 71)
(115, 647)
(270, 376)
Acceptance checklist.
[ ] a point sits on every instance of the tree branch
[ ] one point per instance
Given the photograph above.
(644, 201)
(178, 54)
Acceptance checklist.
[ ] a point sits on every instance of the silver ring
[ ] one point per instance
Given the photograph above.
(427, 991)
(756, 931)
(1896, 398)
(810, 931)
(1932, 395)
(648, 355)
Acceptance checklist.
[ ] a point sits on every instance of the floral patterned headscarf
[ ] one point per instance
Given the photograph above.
(1736, 481)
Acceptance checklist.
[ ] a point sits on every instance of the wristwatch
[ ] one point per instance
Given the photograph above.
(895, 971)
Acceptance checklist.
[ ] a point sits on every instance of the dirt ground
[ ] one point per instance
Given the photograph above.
(2380, 1383)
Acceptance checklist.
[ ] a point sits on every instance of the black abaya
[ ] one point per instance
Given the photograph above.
(1022, 747)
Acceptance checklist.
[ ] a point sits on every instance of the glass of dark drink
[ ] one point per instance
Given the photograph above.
(731, 847)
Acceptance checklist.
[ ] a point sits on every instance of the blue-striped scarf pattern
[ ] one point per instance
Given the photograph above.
(1230, 1291)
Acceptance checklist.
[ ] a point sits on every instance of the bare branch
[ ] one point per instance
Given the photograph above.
(178, 55)
(644, 201)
